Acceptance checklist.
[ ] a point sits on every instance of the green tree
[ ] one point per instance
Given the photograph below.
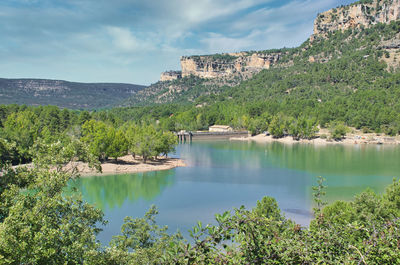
(39, 223)
(276, 127)
(83, 117)
(338, 130)
(23, 129)
(118, 143)
(146, 146)
(96, 135)
(8, 152)
(166, 143)
(132, 135)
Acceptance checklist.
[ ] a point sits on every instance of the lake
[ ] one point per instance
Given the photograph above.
(222, 175)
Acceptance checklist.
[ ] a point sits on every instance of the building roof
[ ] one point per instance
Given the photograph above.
(220, 127)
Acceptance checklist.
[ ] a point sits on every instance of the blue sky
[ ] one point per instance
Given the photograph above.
(133, 41)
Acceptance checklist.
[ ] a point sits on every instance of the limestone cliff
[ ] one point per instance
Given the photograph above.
(362, 14)
(222, 65)
(170, 76)
(357, 15)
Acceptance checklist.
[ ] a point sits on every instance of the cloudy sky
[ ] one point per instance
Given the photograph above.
(133, 41)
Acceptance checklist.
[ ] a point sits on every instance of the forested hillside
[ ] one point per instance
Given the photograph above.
(347, 77)
(64, 94)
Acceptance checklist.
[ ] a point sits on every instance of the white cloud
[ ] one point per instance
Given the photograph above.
(123, 39)
(134, 40)
(289, 14)
(265, 28)
(202, 11)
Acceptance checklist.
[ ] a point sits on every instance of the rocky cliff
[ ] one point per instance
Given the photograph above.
(226, 65)
(377, 40)
(363, 13)
(223, 65)
(360, 14)
(170, 75)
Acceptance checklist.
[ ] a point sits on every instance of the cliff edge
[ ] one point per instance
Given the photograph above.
(361, 14)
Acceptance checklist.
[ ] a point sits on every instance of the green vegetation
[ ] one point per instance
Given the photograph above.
(218, 56)
(338, 131)
(349, 83)
(105, 135)
(64, 94)
(41, 224)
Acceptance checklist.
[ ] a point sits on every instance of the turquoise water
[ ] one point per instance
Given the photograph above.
(223, 175)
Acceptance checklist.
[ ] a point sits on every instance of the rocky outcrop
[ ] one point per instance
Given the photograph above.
(170, 76)
(391, 44)
(357, 15)
(391, 49)
(361, 14)
(223, 65)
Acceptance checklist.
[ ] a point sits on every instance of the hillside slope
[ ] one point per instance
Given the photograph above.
(349, 75)
(64, 94)
(359, 29)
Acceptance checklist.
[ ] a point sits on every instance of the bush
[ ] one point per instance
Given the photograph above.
(339, 131)
(366, 130)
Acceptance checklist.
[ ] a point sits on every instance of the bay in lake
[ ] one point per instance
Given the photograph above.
(222, 175)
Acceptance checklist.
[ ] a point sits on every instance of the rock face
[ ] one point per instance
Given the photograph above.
(245, 64)
(223, 65)
(356, 15)
(170, 75)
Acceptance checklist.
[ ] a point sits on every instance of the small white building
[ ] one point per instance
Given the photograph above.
(220, 128)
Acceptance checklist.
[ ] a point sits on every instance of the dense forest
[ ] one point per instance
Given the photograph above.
(23, 129)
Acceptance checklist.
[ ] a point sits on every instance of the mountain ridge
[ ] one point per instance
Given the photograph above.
(65, 94)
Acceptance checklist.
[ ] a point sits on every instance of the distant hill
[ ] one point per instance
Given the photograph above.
(64, 94)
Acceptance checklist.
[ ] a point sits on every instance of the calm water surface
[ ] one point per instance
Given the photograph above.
(223, 175)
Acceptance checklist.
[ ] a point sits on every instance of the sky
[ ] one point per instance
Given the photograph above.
(133, 41)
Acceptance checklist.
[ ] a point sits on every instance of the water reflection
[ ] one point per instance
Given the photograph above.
(344, 160)
(223, 175)
(349, 169)
(108, 192)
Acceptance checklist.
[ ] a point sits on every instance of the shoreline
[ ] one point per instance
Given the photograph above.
(128, 165)
(348, 140)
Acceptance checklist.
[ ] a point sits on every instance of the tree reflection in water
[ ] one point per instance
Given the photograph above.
(113, 190)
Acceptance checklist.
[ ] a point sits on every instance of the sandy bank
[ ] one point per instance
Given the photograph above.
(349, 140)
(127, 164)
